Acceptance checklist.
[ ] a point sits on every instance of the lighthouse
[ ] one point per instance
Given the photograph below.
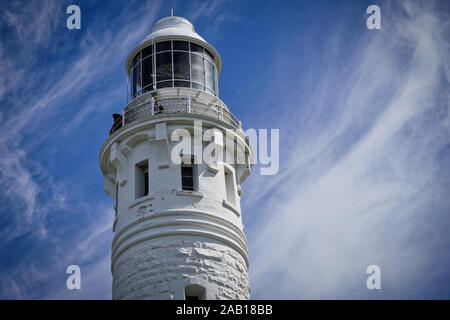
(174, 162)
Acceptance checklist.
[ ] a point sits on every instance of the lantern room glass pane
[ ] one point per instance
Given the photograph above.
(163, 46)
(185, 84)
(178, 63)
(147, 51)
(136, 80)
(136, 59)
(209, 55)
(130, 87)
(164, 66)
(209, 75)
(197, 69)
(181, 65)
(132, 83)
(147, 70)
(164, 84)
(196, 48)
(198, 86)
(181, 45)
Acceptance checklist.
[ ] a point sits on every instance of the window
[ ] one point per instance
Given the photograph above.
(163, 46)
(194, 292)
(209, 55)
(147, 71)
(164, 84)
(209, 73)
(181, 65)
(141, 179)
(164, 66)
(197, 69)
(197, 86)
(229, 185)
(136, 59)
(147, 51)
(185, 84)
(136, 80)
(187, 176)
(181, 45)
(196, 48)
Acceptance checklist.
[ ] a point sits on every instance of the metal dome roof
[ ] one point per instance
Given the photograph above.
(173, 26)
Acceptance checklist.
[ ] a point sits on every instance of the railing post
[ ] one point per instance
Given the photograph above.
(221, 112)
(189, 105)
(153, 107)
(123, 117)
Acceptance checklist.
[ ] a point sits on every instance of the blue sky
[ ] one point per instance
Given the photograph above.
(364, 120)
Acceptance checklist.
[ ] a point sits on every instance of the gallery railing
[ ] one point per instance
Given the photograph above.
(174, 105)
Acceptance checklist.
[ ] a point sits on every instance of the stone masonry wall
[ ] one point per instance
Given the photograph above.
(161, 268)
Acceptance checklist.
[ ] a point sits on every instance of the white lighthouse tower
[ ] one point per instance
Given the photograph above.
(178, 225)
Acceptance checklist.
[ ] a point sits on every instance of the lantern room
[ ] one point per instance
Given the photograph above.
(172, 56)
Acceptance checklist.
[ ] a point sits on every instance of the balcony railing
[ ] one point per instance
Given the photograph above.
(176, 105)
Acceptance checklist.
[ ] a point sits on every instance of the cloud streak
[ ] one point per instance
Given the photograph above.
(363, 189)
(32, 97)
(33, 110)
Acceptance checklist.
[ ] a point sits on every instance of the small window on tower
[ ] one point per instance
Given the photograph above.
(187, 175)
(229, 186)
(141, 179)
(194, 292)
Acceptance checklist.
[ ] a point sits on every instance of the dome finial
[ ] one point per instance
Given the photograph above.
(171, 12)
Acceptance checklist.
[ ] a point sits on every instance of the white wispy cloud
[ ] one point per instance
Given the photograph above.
(35, 100)
(361, 187)
(32, 21)
(208, 9)
(30, 112)
(42, 274)
(216, 13)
